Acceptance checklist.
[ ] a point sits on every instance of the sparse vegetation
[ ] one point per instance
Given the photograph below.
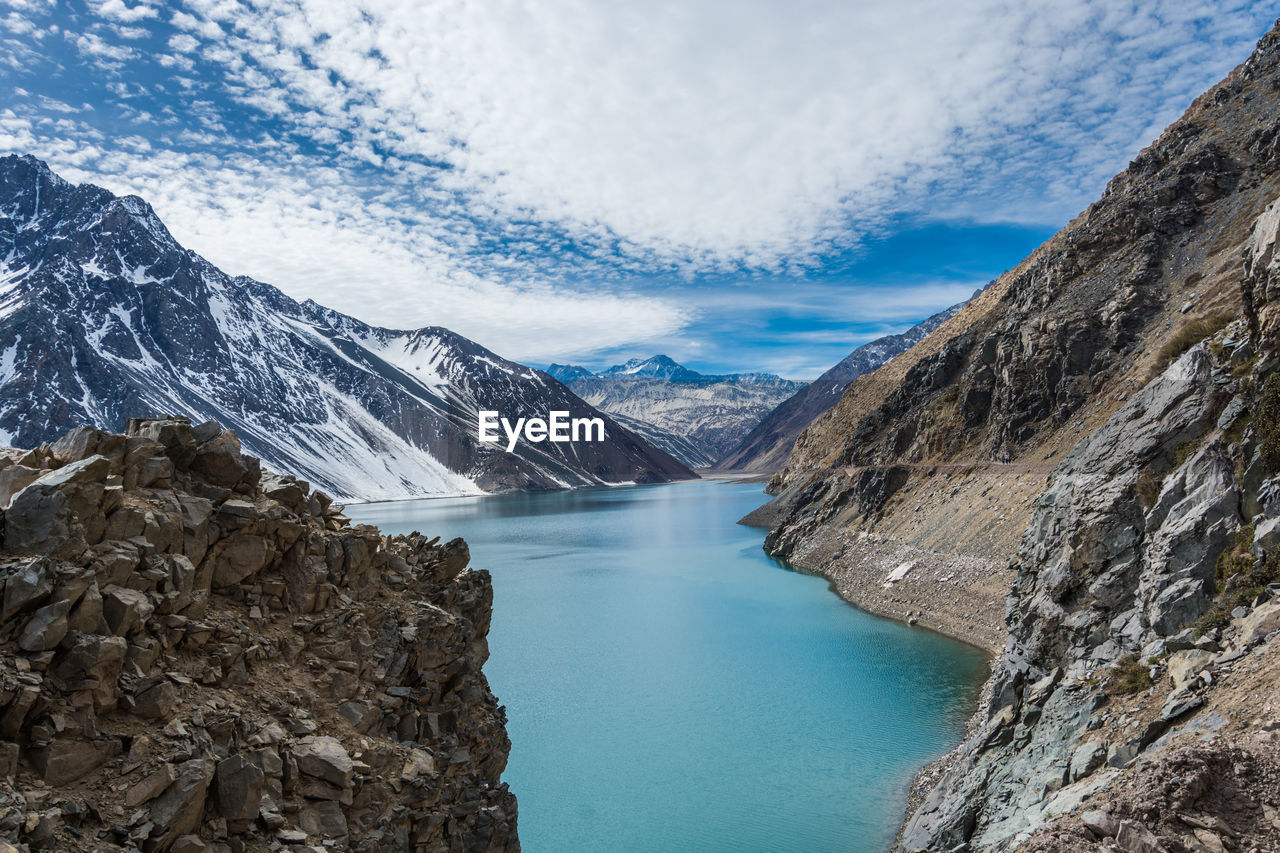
(1236, 557)
(1148, 489)
(1189, 335)
(1266, 424)
(1130, 676)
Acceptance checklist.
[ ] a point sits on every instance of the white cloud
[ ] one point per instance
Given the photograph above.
(753, 132)
(116, 10)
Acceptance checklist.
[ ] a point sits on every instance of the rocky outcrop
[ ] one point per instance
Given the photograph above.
(202, 656)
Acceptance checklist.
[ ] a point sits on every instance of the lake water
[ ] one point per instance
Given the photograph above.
(672, 688)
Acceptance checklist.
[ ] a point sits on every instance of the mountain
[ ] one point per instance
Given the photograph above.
(765, 448)
(104, 316)
(693, 416)
(1080, 472)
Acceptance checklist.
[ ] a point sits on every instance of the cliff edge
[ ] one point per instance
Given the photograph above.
(199, 656)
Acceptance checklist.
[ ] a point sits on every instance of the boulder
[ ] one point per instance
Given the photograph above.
(61, 512)
(1185, 666)
(68, 758)
(150, 786)
(325, 758)
(14, 479)
(178, 810)
(1134, 837)
(1256, 627)
(323, 818)
(46, 628)
(1100, 823)
(238, 785)
(220, 461)
(125, 609)
(26, 586)
(237, 557)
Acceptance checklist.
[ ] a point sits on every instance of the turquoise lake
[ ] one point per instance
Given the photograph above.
(671, 688)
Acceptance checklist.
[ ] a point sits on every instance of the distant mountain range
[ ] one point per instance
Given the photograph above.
(768, 444)
(695, 417)
(103, 316)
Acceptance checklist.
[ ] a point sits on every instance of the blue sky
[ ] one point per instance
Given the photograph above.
(743, 185)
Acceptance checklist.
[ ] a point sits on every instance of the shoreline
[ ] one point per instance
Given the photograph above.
(855, 566)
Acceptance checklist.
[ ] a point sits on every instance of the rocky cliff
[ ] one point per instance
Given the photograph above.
(103, 316)
(1096, 436)
(202, 656)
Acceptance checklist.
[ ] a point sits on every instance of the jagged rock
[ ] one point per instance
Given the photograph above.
(150, 786)
(323, 818)
(156, 701)
(178, 810)
(1185, 666)
(1100, 823)
(325, 758)
(383, 622)
(46, 628)
(239, 785)
(61, 512)
(125, 609)
(27, 584)
(1133, 837)
(14, 479)
(1260, 623)
(67, 759)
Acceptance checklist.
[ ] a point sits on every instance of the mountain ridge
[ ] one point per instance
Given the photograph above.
(694, 416)
(104, 315)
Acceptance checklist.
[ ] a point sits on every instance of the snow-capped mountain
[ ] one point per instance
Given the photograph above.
(695, 417)
(767, 446)
(104, 316)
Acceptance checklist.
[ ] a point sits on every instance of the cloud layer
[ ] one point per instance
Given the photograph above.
(525, 171)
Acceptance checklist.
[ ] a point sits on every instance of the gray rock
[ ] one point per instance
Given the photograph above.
(1184, 667)
(239, 785)
(67, 759)
(1133, 837)
(26, 586)
(61, 512)
(178, 810)
(1088, 757)
(325, 758)
(323, 818)
(125, 609)
(1100, 823)
(14, 479)
(46, 628)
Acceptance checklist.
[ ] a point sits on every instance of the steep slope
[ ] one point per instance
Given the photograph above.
(198, 656)
(765, 448)
(103, 315)
(1108, 416)
(694, 416)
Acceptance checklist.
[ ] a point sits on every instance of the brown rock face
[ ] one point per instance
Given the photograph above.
(195, 656)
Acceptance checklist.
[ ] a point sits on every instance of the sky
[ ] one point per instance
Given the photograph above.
(742, 185)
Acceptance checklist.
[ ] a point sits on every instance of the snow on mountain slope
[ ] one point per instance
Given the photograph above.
(696, 417)
(104, 316)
